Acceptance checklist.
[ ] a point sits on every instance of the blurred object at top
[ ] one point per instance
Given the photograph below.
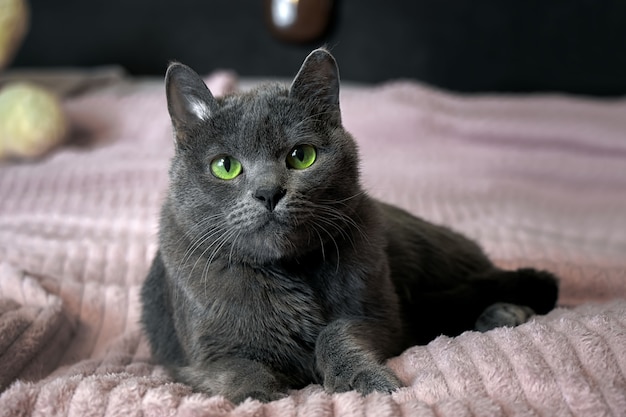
(298, 21)
(13, 27)
(574, 46)
(32, 119)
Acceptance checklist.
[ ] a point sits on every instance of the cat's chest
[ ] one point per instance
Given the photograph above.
(267, 309)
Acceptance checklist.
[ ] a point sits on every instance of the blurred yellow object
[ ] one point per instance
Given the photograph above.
(14, 18)
(32, 121)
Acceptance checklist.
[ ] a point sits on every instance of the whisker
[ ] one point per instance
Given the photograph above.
(343, 200)
(232, 247)
(216, 230)
(332, 240)
(220, 242)
(197, 242)
(321, 244)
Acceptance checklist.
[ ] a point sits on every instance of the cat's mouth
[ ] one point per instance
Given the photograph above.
(272, 235)
(272, 222)
(262, 235)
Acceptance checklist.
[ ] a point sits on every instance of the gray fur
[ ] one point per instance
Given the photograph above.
(284, 277)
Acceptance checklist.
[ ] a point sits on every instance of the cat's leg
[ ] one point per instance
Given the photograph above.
(529, 290)
(234, 378)
(517, 296)
(483, 299)
(347, 359)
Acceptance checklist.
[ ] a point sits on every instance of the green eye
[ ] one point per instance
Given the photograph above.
(301, 157)
(225, 167)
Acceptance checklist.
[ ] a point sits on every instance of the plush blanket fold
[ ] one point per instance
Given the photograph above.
(33, 327)
(537, 180)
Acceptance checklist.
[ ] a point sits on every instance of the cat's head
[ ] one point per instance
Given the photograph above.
(265, 174)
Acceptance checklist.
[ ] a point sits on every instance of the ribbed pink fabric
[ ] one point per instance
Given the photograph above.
(537, 180)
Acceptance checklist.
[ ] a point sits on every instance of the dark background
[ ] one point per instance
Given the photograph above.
(576, 46)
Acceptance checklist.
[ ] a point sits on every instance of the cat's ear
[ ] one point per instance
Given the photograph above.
(189, 100)
(317, 83)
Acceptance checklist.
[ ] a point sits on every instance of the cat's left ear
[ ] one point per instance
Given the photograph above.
(189, 100)
(317, 83)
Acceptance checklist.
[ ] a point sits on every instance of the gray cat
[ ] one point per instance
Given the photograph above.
(276, 270)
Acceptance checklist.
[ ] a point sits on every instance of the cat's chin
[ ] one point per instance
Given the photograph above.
(258, 252)
(269, 244)
(264, 238)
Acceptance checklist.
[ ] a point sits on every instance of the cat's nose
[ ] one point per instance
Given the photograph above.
(270, 196)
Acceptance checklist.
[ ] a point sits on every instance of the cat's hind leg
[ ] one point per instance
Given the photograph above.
(534, 288)
(524, 293)
(503, 315)
(482, 300)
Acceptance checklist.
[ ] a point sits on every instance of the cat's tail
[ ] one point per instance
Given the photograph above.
(479, 296)
(529, 287)
(522, 293)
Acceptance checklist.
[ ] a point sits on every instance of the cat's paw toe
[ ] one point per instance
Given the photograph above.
(365, 381)
(379, 380)
(503, 314)
(262, 396)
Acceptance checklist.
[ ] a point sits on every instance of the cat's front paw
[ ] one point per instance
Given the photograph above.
(380, 380)
(365, 381)
(235, 379)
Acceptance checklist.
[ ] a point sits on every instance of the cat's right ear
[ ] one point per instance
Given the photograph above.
(317, 83)
(189, 100)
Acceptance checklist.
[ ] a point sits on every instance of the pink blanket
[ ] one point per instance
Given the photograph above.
(538, 180)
